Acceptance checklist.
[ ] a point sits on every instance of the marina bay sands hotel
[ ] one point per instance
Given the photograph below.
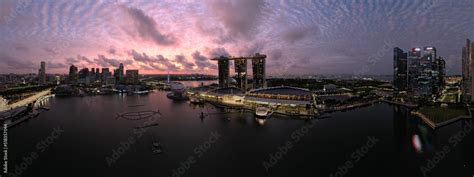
(240, 63)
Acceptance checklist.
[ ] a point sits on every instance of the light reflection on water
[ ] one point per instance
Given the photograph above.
(92, 132)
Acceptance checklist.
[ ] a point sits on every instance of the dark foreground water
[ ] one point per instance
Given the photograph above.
(83, 137)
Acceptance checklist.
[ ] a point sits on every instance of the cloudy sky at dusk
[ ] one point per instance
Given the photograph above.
(180, 36)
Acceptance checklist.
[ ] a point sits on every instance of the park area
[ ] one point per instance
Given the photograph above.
(442, 114)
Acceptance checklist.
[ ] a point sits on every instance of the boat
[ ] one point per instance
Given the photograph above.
(156, 148)
(262, 112)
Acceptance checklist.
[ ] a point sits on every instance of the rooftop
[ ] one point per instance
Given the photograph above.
(227, 90)
(282, 90)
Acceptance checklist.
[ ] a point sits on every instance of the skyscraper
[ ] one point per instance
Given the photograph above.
(467, 69)
(439, 66)
(97, 73)
(118, 73)
(132, 76)
(84, 76)
(258, 71)
(426, 78)
(42, 73)
(241, 73)
(105, 74)
(72, 74)
(400, 72)
(223, 67)
(425, 72)
(413, 71)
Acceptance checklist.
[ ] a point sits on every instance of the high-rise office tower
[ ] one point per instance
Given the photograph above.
(413, 71)
(258, 71)
(42, 73)
(223, 67)
(439, 66)
(119, 73)
(400, 72)
(83, 73)
(132, 76)
(72, 74)
(105, 74)
(97, 73)
(425, 79)
(241, 73)
(467, 72)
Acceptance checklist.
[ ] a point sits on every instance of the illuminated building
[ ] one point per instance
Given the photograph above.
(467, 69)
(241, 73)
(413, 66)
(425, 79)
(439, 66)
(400, 72)
(258, 69)
(223, 67)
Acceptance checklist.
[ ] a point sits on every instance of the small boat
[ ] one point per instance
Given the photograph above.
(156, 148)
(262, 112)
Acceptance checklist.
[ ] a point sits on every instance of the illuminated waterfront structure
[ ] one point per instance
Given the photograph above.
(419, 72)
(283, 100)
(467, 69)
(223, 67)
(258, 70)
(241, 73)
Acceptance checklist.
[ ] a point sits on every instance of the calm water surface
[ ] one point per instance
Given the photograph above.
(92, 132)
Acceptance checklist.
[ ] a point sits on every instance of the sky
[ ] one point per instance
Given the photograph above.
(181, 36)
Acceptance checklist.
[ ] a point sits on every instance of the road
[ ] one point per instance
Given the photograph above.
(28, 100)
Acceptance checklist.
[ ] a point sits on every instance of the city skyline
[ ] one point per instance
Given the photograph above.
(298, 37)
